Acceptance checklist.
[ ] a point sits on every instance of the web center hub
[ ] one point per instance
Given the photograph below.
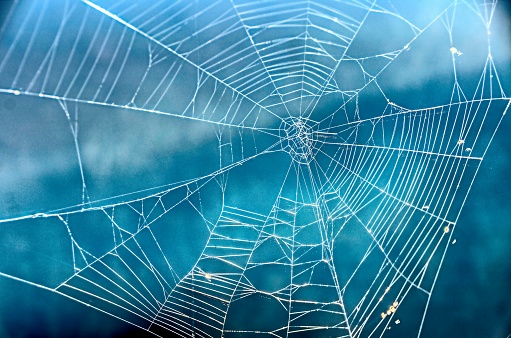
(299, 139)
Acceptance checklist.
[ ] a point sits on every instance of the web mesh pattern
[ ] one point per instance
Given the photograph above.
(366, 186)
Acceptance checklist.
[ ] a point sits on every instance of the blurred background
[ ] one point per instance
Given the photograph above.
(126, 151)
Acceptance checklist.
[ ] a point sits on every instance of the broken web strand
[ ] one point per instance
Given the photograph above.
(73, 125)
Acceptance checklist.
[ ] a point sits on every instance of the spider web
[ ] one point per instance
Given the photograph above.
(282, 183)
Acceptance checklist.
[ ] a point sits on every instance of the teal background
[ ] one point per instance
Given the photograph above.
(127, 151)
